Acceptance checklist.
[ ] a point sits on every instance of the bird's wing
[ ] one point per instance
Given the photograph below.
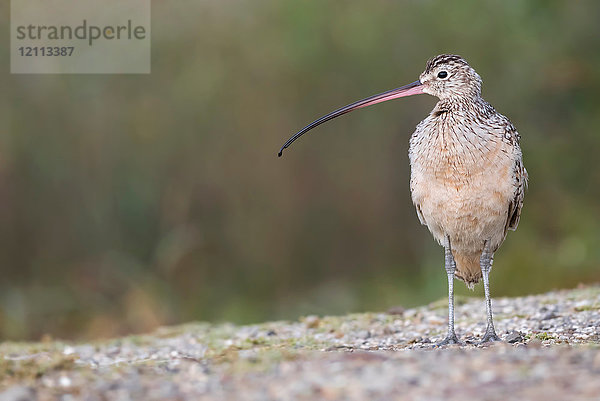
(502, 126)
(520, 177)
(420, 214)
(514, 208)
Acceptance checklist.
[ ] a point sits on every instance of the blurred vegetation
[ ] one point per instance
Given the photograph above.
(129, 201)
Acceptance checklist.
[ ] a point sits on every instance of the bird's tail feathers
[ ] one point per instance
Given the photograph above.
(467, 267)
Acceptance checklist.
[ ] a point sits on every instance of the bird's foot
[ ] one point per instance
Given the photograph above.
(489, 336)
(449, 340)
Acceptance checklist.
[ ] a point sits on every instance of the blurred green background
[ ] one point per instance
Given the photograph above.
(130, 201)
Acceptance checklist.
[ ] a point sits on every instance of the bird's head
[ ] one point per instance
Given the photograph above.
(449, 76)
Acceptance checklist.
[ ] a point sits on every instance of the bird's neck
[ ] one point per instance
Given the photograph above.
(458, 105)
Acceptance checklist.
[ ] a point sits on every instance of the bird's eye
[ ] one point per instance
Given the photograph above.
(442, 74)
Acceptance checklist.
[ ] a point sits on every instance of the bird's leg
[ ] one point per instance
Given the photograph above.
(450, 266)
(486, 265)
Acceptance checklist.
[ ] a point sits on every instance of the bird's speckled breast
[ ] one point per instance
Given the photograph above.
(461, 180)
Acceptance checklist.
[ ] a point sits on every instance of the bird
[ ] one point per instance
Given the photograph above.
(467, 178)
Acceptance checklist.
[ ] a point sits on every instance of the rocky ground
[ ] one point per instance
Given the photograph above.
(551, 352)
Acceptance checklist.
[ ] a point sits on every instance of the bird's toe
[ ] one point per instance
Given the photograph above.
(450, 339)
(489, 337)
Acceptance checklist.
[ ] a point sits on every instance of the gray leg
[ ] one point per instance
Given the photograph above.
(450, 266)
(486, 265)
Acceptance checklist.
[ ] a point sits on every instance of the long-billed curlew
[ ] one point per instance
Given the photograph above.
(467, 175)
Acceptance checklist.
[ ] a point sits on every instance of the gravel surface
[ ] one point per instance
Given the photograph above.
(551, 350)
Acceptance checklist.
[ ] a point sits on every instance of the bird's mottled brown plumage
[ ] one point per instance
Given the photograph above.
(467, 174)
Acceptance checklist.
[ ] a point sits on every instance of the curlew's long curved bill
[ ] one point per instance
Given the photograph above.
(414, 88)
